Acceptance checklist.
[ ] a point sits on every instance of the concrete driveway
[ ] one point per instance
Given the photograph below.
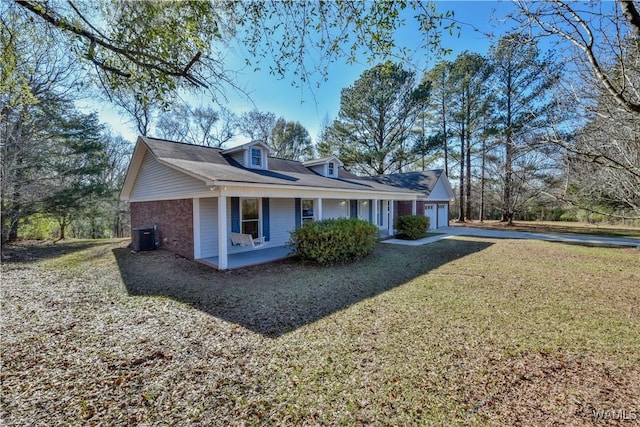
(586, 239)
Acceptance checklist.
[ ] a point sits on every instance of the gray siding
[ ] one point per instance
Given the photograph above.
(332, 208)
(321, 169)
(282, 220)
(209, 227)
(156, 180)
(439, 191)
(239, 157)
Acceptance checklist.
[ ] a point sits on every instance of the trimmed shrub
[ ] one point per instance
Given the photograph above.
(332, 241)
(412, 227)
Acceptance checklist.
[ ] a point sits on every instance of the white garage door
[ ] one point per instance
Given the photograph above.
(430, 212)
(443, 215)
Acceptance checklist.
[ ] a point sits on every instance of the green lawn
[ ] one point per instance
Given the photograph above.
(462, 331)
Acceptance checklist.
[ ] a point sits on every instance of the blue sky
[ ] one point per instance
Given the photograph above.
(308, 106)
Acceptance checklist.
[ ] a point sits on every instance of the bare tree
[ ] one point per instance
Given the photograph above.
(200, 126)
(599, 41)
(140, 108)
(599, 30)
(257, 125)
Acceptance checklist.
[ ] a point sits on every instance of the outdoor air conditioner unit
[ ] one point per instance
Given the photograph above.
(144, 239)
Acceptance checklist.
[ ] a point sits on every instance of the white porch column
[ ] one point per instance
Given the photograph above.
(222, 233)
(319, 210)
(196, 229)
(391, 214)
(413, 207)
(374, 212)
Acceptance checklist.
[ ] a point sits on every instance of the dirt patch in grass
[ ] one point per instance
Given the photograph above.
(460, 332)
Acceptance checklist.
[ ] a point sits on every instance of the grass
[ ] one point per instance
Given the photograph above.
(459, 332)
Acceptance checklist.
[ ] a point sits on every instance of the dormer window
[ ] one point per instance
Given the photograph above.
(253, 155)
(328, 167)
(256, 157)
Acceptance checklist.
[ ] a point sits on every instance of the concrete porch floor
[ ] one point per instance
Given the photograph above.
(248, 258)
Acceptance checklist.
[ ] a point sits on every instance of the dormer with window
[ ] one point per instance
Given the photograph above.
(327, 167)
(253, 155)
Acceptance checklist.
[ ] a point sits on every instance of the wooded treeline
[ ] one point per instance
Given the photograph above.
(524, 132)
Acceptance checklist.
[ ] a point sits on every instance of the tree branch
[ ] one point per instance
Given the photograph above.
(160, 65)
(587, 48)
(631, 13)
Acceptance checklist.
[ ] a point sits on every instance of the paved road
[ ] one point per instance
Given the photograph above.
(505, 234)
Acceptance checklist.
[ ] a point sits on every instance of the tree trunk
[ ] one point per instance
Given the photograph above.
(63, 227)
(444, 133)
(15, 208)
(468, 160)
(461, 215)
(482, 175)
(507, 214)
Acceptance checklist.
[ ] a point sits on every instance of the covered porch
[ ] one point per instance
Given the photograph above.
(249, 258)
(222, 224)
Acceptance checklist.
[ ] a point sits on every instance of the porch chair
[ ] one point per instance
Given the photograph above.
(240, 239)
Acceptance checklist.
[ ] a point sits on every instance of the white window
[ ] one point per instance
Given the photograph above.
(307, 210)
(250, 217)
(331, 169)
(382, 212)
(256, 157)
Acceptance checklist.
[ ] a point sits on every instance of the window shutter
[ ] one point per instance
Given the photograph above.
(370, 210)
(353, 208)
(298, 209)
(265, 219)
(235, 215)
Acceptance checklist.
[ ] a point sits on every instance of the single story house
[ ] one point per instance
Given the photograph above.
(436, 194)
(226, 206)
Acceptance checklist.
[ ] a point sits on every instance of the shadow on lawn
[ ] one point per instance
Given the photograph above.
(29, 251)
(280, 297)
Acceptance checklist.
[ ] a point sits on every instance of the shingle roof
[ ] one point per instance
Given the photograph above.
(210, 164)
(422, 182)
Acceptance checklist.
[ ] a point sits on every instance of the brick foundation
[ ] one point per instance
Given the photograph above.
(174, 219)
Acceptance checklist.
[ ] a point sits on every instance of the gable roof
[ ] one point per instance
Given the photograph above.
(421, 181)
(247, 146)
(213, 167)
(315, 162)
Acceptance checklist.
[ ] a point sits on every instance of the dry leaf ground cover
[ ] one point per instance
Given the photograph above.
(460, 332)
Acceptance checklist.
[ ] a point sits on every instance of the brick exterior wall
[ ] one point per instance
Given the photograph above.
(174, 219)
(403, 207)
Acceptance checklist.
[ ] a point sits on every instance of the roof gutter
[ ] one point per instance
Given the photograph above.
(306, 188)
